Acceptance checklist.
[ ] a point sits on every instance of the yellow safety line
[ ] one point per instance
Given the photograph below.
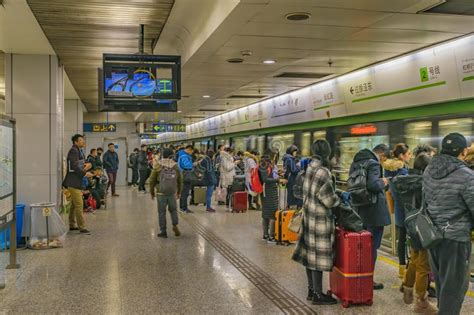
(394, 264)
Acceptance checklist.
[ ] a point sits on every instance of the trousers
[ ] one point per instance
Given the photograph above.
(76, 213)
(315, 280)
(135, 176)
(112, 179)
(268, 226)
(143, 178)
(209, 191)
(166, 201)
(377, 233)
(418, 272)
(183, 201)
(450, 261)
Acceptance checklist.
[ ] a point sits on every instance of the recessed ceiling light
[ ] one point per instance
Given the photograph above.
(269, 61)
(206, 96)
(298, 16)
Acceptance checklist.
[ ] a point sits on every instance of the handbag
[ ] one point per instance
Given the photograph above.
(347, 218)
(296, 222)
(221, 194)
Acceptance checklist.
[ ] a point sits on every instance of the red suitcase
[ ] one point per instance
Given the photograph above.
(239, 201)
(352, 277)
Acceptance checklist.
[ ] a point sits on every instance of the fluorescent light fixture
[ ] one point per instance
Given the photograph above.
(180, 111)
(206, 96)
(269, 61)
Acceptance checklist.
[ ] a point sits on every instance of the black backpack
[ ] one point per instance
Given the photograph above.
(168, 180)
(298, 185)
(357, 186)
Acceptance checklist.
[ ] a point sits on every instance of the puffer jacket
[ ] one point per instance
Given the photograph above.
(291, 171)
(392, 169)
(155, 175)
(376, 214)
(449, 192)
(227, 169)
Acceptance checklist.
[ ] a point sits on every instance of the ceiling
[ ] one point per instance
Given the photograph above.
(339, 37)
(81, 31)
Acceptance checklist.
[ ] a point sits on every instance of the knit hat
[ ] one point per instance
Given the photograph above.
(321, 148)
(453, 144)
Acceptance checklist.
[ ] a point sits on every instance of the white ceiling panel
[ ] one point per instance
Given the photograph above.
(401, 36)
(388, 47)
(251, 42)
(429, 22)
(321, 16)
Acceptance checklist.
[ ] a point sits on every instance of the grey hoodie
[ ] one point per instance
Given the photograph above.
(449, 191)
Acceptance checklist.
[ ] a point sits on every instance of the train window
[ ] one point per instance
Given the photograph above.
(417, 133)
(240, 144)
(460, 125)
(305, 144)
(260, 144)
(320, 134)
(280, 143)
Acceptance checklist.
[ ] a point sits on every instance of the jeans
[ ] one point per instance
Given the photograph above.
(268, 226)
(143, 178)
(112, 178)
(377, 233)
(417, 272)
(315, 280)
(401, 246)
(210, 190)
(163, 202)
(76, 212)
(183, 201)
(135, 176)
(449, 262)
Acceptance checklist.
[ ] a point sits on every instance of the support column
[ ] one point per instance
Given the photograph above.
(34, 96)
(73, 122)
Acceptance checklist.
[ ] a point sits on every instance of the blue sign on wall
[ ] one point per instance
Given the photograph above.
(101, 127)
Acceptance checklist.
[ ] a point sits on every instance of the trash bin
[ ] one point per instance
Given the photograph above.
(5, 234)
(47, 229)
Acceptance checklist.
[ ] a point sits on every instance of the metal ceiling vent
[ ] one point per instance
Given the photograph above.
(235, 60)
(455, 7)
(302, 75)
(298, 16)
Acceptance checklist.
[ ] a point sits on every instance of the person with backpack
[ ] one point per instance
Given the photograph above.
(167, 180)
(268, 176)
(448, 185)
(398, 166)
(315, 245)
(291, 172)
(407, 190)
(250, 162)
(367, 192)
(205, 164)
(185, 164)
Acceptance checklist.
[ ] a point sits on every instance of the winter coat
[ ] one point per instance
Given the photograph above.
(185, 160)
(392, 169)
(207, 167)
(98, 161)
(376, 214)
(92, 159)
(449, 191)
(269, 195)
(315, 246)
(111, 161)
(133, 160)
(75, 168)
(155, 175)
(227, 169)
(250, 162)
(142, 161)
(291, 171)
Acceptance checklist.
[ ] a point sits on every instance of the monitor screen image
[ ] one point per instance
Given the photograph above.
(141, 83)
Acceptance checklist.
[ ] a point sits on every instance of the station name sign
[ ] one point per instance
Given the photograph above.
(101, 127)
(164, 127)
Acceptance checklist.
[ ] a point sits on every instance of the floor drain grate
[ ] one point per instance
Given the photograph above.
(281, 297)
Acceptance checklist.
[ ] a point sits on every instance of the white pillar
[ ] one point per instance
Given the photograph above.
(34, 96)
(73, 122)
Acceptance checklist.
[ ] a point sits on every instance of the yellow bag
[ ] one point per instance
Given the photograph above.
(390, 202)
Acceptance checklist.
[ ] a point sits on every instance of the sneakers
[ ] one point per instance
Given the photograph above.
(162, 235)
(189, 211)
(85, 232)
(183, 211)
(407, 294)
(211, 210)
(176, 231)
(271, 241)
(73, 229)
(265, 238)
(378, 286)
(422, 306)
(323, 299)
(116, 195)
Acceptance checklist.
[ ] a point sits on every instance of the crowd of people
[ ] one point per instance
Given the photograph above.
(397, 179)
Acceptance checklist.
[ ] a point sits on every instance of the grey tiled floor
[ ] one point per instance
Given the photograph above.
(122, 268)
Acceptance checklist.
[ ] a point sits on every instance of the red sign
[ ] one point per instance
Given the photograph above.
(363, 130)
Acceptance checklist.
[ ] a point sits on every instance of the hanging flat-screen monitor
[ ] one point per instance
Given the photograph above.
(139, 83)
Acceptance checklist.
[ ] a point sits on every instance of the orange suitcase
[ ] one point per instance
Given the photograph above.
(282, 234)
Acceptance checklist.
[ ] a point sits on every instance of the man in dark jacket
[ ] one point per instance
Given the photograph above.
(76, 170)
(111, 164)
(449, 196)
(374, 216)
(92, 159)
(142, 166)
(133, 163)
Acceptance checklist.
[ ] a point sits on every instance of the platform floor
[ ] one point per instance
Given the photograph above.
(218, 266)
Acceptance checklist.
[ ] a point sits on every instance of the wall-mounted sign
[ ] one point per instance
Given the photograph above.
(102, 127)
(164, 127)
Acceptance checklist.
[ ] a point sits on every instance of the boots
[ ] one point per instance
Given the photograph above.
(422, 306)
(401, 271)
(407, 294)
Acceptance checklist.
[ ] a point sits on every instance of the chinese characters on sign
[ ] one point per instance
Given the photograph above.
(430, 73)
(102, 127)
(361, 88)
(163, 127)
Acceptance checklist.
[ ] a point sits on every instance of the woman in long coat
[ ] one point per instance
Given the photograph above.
(227, 173)
(314, 248)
